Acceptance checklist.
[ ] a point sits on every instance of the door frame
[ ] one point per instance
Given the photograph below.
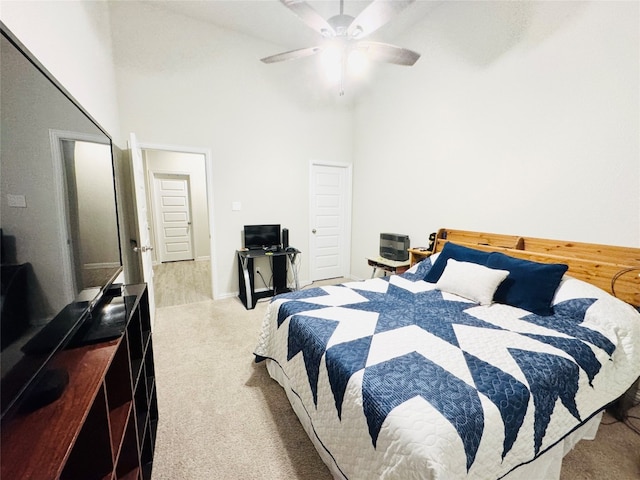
(155, 208)
(208, 166)
(348, 192)
(56, 137)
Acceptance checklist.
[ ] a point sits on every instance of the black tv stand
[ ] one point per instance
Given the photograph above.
(246, 280)
(107, 321)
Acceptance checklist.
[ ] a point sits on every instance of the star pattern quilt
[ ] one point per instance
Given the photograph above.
(401, 380)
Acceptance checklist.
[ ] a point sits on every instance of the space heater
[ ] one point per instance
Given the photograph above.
(394, 246)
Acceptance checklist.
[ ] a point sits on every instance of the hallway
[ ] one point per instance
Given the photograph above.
(180, 283)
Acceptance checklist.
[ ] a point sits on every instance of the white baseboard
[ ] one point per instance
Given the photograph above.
(227, 295)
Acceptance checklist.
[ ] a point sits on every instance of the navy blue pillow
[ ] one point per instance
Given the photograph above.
(530, 285)
(457, 252)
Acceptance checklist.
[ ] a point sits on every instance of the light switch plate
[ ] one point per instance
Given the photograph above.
(16, 200)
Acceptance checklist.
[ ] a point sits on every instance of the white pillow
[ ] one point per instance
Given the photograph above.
(471, 281)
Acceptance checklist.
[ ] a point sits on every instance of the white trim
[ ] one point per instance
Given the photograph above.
(346, 247)
(208, 162)
(61, 192)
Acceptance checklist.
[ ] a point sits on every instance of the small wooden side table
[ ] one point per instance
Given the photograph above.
(418, 254)
(388, 266)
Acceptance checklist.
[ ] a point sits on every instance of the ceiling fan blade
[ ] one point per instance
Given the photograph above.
(375, 15)
(309, 16)
(291, 55)
(384, 52)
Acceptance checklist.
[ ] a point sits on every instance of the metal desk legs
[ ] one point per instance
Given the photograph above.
(244, 261)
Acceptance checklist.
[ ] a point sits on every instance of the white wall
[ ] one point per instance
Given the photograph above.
(185, 82)
(73, 41)
(520, 117)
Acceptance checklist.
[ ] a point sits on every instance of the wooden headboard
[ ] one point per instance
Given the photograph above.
(611, 268)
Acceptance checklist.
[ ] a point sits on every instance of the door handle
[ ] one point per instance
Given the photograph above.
(144, 248)
(313, 231)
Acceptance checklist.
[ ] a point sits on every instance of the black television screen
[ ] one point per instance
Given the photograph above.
(60, 238)
(261, 236)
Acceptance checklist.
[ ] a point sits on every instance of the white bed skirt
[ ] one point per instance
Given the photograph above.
(546, 466)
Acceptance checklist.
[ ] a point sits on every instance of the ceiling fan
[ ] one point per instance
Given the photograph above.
(346, 33)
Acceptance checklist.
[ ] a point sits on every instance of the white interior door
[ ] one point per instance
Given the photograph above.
(172, 211)
(330, 204)
(144, 247)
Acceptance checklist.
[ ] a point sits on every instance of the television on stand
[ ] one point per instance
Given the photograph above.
(60, 238)
(262, 237)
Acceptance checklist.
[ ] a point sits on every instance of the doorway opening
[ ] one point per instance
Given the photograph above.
(83, 179)
(180, 222)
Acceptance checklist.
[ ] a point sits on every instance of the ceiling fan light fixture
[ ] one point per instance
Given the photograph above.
(345, 52)
(357, 31)
(341, 24)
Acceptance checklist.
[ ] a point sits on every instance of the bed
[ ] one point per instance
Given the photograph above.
(489, 359)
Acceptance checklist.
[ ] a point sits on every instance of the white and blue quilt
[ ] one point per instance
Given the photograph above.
(399, 380)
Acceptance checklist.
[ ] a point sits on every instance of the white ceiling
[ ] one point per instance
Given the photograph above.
(271, 21)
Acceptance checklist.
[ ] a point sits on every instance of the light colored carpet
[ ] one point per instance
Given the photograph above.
(179, 283)
(222, 417)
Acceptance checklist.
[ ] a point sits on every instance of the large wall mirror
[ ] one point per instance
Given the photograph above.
(60, 243)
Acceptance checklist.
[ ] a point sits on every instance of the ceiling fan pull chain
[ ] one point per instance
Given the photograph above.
(343, 72)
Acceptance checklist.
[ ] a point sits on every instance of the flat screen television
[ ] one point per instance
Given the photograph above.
(59, 227)
(258, 237)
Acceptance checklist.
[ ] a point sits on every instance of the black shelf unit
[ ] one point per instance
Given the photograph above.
(140, 345)
(104, 424)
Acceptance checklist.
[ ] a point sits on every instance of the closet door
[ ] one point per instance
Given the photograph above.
(330, 220)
